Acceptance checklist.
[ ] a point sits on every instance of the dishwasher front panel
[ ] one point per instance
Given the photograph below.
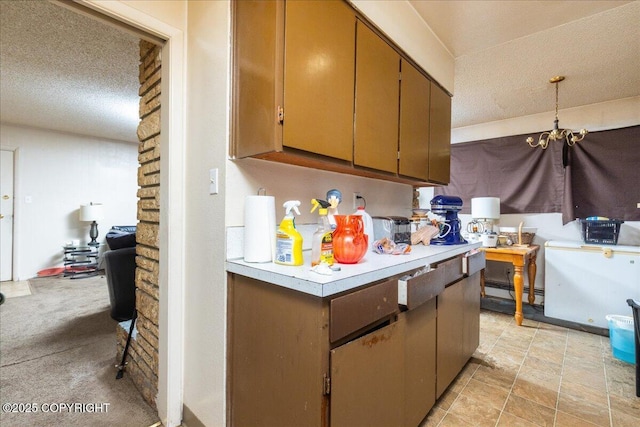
(584, 283)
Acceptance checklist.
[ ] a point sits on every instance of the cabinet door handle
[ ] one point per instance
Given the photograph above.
(280, 114)
(1, 216)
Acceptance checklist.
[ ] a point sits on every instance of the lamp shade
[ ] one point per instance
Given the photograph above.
(91, 212)
(485, 208)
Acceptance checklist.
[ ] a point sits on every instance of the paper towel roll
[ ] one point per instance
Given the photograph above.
(259, 228)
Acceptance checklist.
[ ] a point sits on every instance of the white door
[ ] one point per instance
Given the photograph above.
(6, 215)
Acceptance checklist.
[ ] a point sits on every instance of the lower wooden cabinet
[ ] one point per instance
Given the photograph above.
(471, 316)
(449, 335)
(278, 356)
(419, 362)
(355, 359)
(367, 379)
(458, 329)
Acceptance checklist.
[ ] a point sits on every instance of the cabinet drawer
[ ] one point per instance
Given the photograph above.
(359, 309)
(473, 263)
(416, 291)
(452, 270)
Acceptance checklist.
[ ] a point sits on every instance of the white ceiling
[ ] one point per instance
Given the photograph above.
(506, 51)
(63, 71)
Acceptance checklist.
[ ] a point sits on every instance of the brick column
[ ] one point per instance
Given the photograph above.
(143, 352)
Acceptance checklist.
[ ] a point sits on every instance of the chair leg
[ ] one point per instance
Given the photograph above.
(637, 341)
(636, 334)
(126, 347)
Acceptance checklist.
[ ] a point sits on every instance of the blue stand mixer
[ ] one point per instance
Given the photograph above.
(449, 206)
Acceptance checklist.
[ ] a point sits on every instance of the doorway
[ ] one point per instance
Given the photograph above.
(172, 150)
(160, 22)
(74, 42)
(6, 215)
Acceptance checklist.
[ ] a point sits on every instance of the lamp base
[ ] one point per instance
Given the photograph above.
(93, 233)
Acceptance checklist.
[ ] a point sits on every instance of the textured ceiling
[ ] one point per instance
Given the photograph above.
(506, 51)
(63, 71)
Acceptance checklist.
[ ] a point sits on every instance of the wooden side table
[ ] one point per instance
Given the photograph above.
(518, 257)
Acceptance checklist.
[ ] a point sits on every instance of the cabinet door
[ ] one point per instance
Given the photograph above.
(276, 355)
(449, 335)
(414, 123)
(419, 362)
(257, 77)
(439, 135)
(367, 383)
(471, 331)
(377, 97)
(319, 77)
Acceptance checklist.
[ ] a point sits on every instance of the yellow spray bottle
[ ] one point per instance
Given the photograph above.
(288, 239)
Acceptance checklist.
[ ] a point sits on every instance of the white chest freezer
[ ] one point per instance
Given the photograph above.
(585, 282)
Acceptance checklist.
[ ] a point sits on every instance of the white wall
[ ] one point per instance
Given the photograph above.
(614, 114)
(287, 182)
(205, 276)
(55, 173)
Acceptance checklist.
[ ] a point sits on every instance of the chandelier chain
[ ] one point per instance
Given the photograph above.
(557, 100)
(557, 134)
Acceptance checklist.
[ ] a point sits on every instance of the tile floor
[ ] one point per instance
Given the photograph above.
(539, 375)
(536, 374)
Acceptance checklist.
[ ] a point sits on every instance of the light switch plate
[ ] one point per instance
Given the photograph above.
(213, 181)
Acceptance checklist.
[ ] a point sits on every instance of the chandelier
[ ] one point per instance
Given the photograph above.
(557, 134)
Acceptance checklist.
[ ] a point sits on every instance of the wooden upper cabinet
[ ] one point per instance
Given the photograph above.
(377, 95)
(415, 91)
(319, 77)
(440, 136)
(257, 77)
(315, 85)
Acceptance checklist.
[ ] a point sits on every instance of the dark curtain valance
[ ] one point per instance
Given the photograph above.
(598, 176)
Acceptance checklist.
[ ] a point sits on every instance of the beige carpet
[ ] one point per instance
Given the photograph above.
(58, 347)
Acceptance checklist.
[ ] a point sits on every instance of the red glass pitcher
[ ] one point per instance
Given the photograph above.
(350, 244)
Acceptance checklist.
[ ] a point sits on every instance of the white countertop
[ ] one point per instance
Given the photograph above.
(371, 268)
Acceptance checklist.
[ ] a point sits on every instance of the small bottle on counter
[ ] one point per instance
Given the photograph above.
(368, 225)
(322, 240)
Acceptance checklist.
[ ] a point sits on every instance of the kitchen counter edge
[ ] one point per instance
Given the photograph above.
(372, 268)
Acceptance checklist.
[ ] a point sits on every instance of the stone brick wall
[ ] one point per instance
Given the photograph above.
(143, 350)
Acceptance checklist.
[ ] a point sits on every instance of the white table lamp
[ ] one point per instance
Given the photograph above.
(486, 209)
(91, 213)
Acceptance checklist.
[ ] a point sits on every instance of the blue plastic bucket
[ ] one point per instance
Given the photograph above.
(621, 335)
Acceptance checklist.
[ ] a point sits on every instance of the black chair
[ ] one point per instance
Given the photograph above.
(635, 307)
(120, 269)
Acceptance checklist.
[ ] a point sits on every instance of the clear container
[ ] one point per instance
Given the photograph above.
(368, 225)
